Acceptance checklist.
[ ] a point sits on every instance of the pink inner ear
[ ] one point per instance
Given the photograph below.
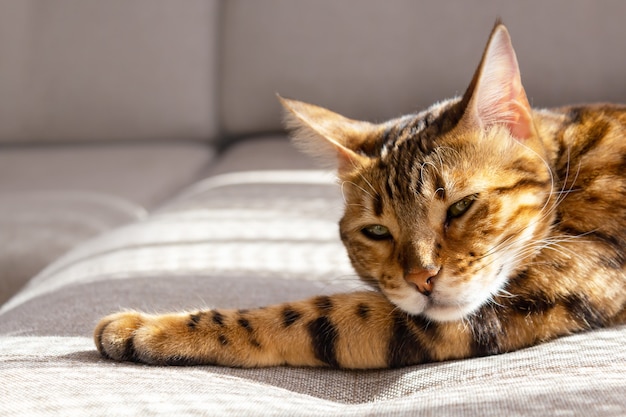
(514, 113)
(499, 97)
(521, 127)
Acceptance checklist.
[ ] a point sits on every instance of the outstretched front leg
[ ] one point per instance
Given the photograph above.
(361, 330)
(356, 330)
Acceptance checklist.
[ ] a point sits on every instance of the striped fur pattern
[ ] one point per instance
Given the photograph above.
(483, 226)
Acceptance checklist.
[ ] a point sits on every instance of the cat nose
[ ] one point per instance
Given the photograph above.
(422, 278)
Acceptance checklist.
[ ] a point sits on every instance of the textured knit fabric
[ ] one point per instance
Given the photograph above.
(38, 227)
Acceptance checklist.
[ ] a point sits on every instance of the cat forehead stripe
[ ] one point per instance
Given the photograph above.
(411, 127)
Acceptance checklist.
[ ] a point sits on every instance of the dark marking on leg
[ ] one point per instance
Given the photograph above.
(290, 316)
(363, 311)
(218, 318)
(405, 348)
(255, 343)
(426, 326)
(486, 331)
(222, 339)
(582, 311)
(129, 351)
(245, 323)
(194, 319)
(324, 338)
(538, 303)
(323, 303)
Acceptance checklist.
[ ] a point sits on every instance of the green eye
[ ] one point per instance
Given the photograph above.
(376, 232)
(460, 207)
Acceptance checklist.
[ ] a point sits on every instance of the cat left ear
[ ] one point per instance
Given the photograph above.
(328, 135)
(496, 95)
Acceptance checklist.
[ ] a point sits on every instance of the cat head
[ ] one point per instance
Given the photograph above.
(441, 207)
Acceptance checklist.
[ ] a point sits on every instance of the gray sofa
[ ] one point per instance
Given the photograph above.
(143, 166)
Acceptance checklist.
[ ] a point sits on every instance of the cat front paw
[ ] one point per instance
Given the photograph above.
(166, 339)
(114, 336)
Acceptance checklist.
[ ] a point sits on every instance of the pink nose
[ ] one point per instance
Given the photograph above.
(422, 278)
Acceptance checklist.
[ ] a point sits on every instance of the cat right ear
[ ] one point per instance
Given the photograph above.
(329, 136)
(496, 95)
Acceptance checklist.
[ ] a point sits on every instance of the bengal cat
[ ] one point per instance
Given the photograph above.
(484, 226)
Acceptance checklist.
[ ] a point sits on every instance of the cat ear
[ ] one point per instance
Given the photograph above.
(328, 135)
(496, 95)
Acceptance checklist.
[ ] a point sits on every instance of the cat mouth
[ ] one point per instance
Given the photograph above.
(449, 312)
(436, 311)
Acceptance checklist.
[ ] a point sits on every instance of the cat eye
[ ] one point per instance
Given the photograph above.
(376, 232)
(460, 207)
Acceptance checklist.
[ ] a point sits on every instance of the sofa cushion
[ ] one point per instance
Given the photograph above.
(244, 239)
(376, 60)
(104, 70)
(144, 173)
(262, 153)
(38, 227)
(54, 197)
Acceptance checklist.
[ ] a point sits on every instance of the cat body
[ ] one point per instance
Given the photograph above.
(483, 225)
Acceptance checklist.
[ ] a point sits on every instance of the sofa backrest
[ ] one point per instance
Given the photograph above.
(77, 70)
(380, 59)
(80, 70)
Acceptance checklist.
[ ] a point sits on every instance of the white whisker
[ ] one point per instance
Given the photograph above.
(357, 186)
(370, 185)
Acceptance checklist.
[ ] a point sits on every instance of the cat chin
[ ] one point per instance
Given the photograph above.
(447, 313)
(413, 303)
(417, 304)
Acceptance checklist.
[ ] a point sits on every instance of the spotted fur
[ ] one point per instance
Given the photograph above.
(484, 226)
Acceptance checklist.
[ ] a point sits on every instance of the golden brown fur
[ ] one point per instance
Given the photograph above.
(483, 225)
